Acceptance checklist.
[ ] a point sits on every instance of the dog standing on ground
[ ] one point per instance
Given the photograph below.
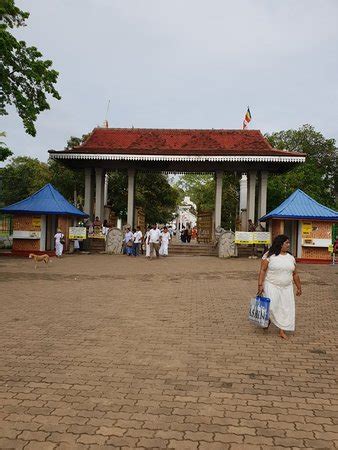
(39, 258)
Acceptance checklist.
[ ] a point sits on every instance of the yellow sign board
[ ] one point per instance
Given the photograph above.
(36, 222)
(330, 248)
(77, 232)
(306, 229)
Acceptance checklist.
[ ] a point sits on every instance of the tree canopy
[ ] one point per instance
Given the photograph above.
(5, 152)
(201, 190)
(24, 175)
(25, 78)
(153, 193)
(317, 176)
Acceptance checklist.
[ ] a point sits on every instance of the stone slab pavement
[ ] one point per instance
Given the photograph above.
(103, 352)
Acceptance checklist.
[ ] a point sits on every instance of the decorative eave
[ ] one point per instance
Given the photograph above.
(188, 158)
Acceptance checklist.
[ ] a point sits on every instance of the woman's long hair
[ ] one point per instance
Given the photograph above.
(277, 244)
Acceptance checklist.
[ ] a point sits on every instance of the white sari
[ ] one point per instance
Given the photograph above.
(165, 238)
(279, 288)
(58, 245)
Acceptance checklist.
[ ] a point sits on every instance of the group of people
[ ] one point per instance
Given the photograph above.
(155, 242)
(188, 233)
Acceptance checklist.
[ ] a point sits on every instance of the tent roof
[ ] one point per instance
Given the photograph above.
(45, 201)
(301, 206)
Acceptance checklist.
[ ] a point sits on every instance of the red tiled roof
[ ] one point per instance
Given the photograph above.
(177, 142)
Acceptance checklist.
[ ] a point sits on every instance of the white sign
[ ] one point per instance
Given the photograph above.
(243, 237)
(26, 234)
(261, 237)
(77, 233)
(310, 242)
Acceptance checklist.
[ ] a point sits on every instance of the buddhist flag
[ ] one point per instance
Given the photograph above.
(247, 119)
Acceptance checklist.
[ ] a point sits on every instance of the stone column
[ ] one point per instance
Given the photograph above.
(88, 200)
(243, 189)
(105, 195)
(99, 185)
(251, 195)
(218, 198)
(262, 197)
(131, 197)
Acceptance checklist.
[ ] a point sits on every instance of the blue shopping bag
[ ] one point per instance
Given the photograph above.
(259, 311)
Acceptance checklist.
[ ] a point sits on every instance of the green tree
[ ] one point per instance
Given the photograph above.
(317, 176)
(152, 192)
(5, 152)
(74, 141)
(201, 190)
(67, 181)
(22, 177)
(25, 78)
(156, 196)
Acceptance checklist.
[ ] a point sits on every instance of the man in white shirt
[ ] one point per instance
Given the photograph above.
(154, 241)
(137, 241)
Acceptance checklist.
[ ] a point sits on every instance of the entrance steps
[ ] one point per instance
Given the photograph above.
(95, 245)
(181, 249)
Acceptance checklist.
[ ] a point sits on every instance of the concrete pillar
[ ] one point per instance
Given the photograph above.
(243, 189)
(262, 196)
(251, 195)
(88, 200)
(105, 191)
(131, 197)
(218, 198)
(99, 185)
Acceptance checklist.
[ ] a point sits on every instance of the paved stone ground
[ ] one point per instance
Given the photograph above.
(101, 351)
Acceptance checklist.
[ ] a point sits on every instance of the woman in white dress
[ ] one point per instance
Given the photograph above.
(58, 243)
(146, 241)
(165, 238)
(278, 271)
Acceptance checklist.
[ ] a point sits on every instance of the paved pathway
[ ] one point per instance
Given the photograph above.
(114, 352)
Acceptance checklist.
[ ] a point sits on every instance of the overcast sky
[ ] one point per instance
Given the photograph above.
(182, 64)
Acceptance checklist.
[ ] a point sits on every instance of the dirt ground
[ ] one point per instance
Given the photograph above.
(100, 351)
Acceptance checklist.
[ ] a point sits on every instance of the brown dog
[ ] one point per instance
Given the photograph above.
(39, 258)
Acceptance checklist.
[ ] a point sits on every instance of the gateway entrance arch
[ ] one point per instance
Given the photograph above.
(177, 151)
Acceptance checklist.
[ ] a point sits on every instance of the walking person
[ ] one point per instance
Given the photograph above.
(188, 233)
(146, 241)
(128, 242)
(278, 271)
(137, 237)
(59, 241)
(154, 241)
(165, 238)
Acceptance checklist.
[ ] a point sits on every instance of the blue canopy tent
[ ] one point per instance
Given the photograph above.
(37, 217)
(45, 201)
(301, 206)
(308, 224)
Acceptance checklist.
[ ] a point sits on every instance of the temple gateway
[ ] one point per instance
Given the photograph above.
(177, 151)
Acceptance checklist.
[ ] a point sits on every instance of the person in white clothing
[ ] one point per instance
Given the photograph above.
(165, 238)
(154, 241)
(59, 239)
(146, 242)
(137, 236)
(278, 271)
